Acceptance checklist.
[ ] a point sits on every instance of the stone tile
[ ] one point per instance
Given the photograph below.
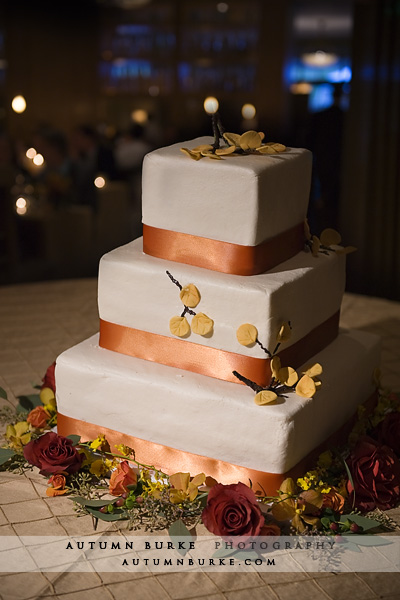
(383, 584)
(262, 593)
(108, 577)
(345, 586)
(99, 593)
(284, 577)
(65, 583)
(236, 581)
(178, 584)
(60, 506)
(148, 588)
(46, 527)
(23, 586)
(300, 590)
(34, 510)
(7, 530)
(3, 520)
(17, 491)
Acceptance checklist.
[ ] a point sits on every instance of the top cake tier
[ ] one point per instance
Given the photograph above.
(241, 214)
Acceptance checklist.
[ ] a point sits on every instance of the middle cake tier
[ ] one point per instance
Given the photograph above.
(139, 294)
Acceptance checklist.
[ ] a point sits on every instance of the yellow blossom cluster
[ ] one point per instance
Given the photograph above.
(312, 480)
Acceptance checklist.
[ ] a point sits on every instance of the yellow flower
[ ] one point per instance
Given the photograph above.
(48, 398)
(101, 467)
(246, 334)
(100, 443)
(179, 326)
(18, 435)
(183, 488)
(190, 295)
(124, 450)
(201, 324)
(89, 457)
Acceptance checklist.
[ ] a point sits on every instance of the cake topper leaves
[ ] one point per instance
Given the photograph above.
(265, 397)
(194, 155)
(247, 334)
(306, 387)
(179, 326)
(250, 140)
(190, 295)
(330, 237)
(201, 324)
(327, 242)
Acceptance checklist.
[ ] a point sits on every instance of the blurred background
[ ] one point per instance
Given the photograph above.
(88, 87)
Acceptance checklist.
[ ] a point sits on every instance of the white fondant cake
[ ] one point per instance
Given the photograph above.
(241, 199)
(212, 418)
(135, 291)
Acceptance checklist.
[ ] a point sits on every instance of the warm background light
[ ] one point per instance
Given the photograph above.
(21, 205)
(99, 182)
(301, 88)
(31, 153)
(38, 160)
(248, 111)
(18, 104)
(319, 58)
(211, 105)
(140, 116)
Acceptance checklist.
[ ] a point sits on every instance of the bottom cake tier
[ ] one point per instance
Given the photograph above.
(182, 421)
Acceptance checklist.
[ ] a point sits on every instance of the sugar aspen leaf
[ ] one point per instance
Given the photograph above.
(212, 155)
(225, 151)
(306, 387)
(330, 237)
(265, 397)
(179, 326)
(191, 153)
(202, 148)
(246, 334)
(314, 370)
(232, 139)
(250, 140)
(316, 244)
(346, 250)
(271, 148)
(190, 295)
(201, 324)
(275, 365)
(307, 231)
(284, 333)
(288, 376)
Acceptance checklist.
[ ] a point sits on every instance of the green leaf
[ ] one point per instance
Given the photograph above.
(363, 522)
(371, 540)
(28, 402)
(244, 554)
(6, 454)
(350, 479)
(178, 530)
(202, 498)
(75, 439)
(326, 522)
(224, 552)
(117, 515)
(3, 393)
(92, 503)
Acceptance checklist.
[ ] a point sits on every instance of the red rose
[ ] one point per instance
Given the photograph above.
(49, 380)
(232, 510)
(53, 453)
(38, 417)
(388, 432)
(375, 470)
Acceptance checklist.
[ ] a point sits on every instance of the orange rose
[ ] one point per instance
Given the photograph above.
(57, 483)
(271, 529)
(333, 500)
(38, 417)
(121, 478)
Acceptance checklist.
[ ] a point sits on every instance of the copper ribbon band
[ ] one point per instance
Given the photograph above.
(223, 256)
(171, 460)
(208, 361)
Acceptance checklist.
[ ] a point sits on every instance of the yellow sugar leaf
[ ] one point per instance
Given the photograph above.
(313, 370)
(179, 326)
(307, 231)
(275, 366)
(202, 148)
(250, 140)
(306, 387)
(346, 250)
(318, 383)
(191, 154)
(201, 324)
(232, 139)
(284, 332)
(330, 237)
(265, 397)
(262, 135)
(225, 151)
(288, 376)
(209, 154)
(316, 244)
(246, 334)
(271, 148)
(190, 295)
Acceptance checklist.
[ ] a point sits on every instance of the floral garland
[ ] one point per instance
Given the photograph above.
(111, 485)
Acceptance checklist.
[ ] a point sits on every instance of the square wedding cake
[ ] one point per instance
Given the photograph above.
(196, 312)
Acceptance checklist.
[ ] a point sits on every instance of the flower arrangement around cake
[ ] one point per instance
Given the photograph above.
(111, 484)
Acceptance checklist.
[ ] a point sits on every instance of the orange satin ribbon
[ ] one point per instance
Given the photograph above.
(223, 256)
(208, 361)
(171, 460)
